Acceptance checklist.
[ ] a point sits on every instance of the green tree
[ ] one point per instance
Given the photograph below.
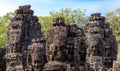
(114, 19)
(46, 23)
(71, 16)
(4, 23)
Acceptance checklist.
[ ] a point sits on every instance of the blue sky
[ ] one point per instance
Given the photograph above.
(43, 7)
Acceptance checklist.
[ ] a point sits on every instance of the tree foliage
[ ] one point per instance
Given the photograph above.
(71, 16)
(46, 23)
(4, 23)
(114, 19)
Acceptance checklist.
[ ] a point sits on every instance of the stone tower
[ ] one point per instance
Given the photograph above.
(56, 51)
(101, 44)
(24, 32)
(65, 47)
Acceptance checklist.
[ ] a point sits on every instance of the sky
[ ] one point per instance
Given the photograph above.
(44, 7)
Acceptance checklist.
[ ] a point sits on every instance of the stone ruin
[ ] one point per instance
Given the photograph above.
(63, 47)
(25, 43)
(101, 44)
(66, 48)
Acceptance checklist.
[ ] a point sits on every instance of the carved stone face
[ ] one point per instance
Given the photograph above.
(94, 40)
(37, 61)
(37, 53)
(13, 61)
(15, 36)
(94, 36)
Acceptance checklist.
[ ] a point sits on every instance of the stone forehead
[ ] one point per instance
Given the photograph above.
(13, 55)
(58, 21)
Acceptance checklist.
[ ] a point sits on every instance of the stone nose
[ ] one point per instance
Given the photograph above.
(36, 64)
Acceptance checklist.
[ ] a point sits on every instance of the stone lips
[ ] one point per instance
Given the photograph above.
(54, 65)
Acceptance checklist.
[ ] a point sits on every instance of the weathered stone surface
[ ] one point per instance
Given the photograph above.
(25, 38)
(36, 55)
(66, 48)
(116, 65)
(66, 44)
(55, 66)
(94, 33)
(56, 46)
(101, 44)
(13, 60)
